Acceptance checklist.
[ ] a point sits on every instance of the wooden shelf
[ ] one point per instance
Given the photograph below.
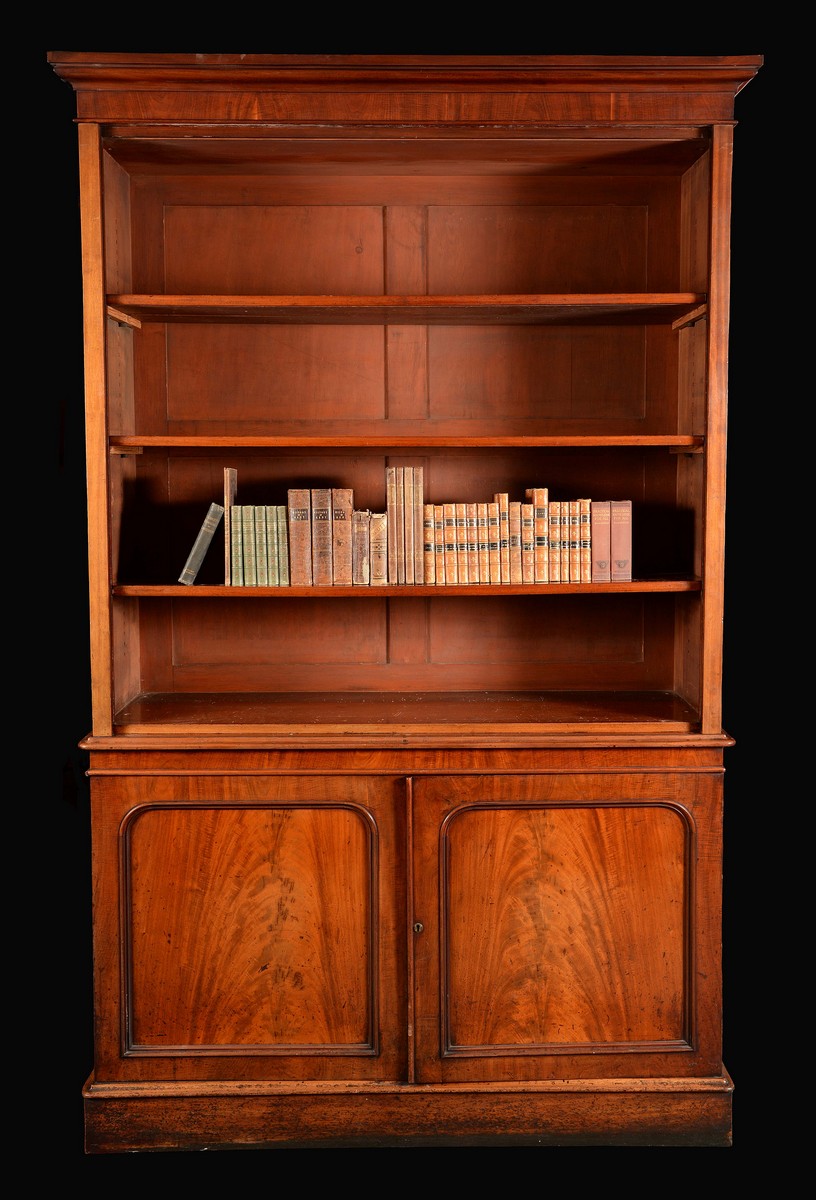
(391, 591)
(418, 439)
(675, 308)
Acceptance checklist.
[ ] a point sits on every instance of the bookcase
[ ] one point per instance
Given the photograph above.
(401, 864)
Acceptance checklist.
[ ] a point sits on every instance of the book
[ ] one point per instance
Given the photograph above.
(451, 559)
(299, 528)
(482, 543)
(378, 548)
(250, 573)
(527, 542)
(428, 551)
(493, 542)
(600, 517)
(230, 496)
(541, 531)
(237, 546)
(554, 509)
(439, 543)
(585, 542)
(283, 545)
(575, 541)
(408, 521)
(472, 530)
(565, 541)
(620, 540)
(419, 521)
(391, 509)
(321, 537)
(272, 556)
(462, 575)
(201, 544)
(261, 554)
(360, 534)
(514, 526)
(342, 506)
(503, 500)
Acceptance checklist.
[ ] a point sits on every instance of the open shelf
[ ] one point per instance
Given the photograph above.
(393, 590)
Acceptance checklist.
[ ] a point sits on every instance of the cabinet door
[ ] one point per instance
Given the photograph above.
(262, 927)
(562, 920)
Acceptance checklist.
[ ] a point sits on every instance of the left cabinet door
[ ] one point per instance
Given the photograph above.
(249, 927)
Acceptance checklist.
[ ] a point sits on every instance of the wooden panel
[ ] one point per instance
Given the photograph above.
(303, 249)
(495, 249)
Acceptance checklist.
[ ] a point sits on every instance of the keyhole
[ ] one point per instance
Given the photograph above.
(418, 927)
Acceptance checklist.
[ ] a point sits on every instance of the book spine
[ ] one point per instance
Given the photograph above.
(237, 546)
(620, 540)
(575, 541)
(462, 574)
(360, 535)
(299, 515)
(555, 540)
(272, 554)
(585, 533)
(250, 572)
(451, 560)
(493, 542)
(342, 506)
(565, 545)
(503, 501)
(527, 542)
(419, 523)
(283, 545)
(378, 548)
(514, 526)
(428, 552)
(408, 521)
(472, 531)
(482, 544)
(201, 544)
(391, 509)
(230, 493)
(601, 556)
(541, 531)
(439, 543)
(261, 554)
(321, 537)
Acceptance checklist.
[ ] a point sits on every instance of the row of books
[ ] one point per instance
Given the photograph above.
(318, 538)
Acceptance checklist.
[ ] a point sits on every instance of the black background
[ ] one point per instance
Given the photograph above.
(55, 906)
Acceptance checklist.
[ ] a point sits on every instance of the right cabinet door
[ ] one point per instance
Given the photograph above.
(567, 926)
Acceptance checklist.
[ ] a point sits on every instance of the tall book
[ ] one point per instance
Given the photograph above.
(321, 537)
(283, 545)
(554, 509)
(261, 553)
(493, 542)
(503, 501)
(514, 526)
(462, 573)
(482, 543)
(541, 530)
(408, 521)
(272, 551)
(230, 496)
(575, 541)
(378, 548)
(360, 534)
(236, 546)
(342, 506)
(201, 544)
(565, 541)
(620, 540)
(527, 542)
(439, 543)
(391, 509)
(250, 570)
(585, 527)
(419, 521)
(472, 528)
(299, 521)
(428, 552)
(600, 517)
(451, 559)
